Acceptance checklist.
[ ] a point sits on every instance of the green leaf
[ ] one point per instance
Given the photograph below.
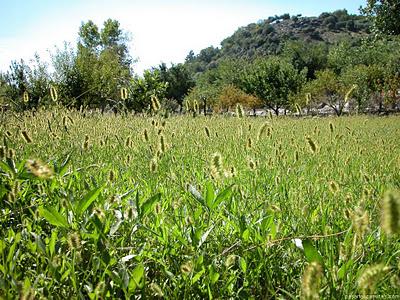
(246, 235)
(196, 195)
(198, 275)
(53, 217)
(87, 200)
(52, 243)
(243, 264)
(64, 166)
(344, 269)
(209, 195)
(11, 252)
(6, 168)
(204, 236)
(137, 277)
(311, 252)
(224, 195)
(148, 204)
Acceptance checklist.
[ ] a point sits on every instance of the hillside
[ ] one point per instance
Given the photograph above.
(268, 36)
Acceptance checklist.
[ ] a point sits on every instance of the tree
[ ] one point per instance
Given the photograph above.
(143, 89)
(230, 96)
(272, 80)
(368, 81)
(385, 15)
(31, 81)
(179, 81)
(101, 65)
(312, 56)
(328, 89)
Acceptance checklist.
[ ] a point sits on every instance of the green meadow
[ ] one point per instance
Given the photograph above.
(101, 206)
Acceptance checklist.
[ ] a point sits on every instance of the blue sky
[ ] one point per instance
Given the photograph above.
(161, 31)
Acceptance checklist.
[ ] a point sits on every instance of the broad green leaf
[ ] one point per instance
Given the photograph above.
(198, 275)
(224, 195)
(148, 204)
(204, 236)
(243, 264)
(246, 235)
(52, 243)
(196, 195)
(311, 252)
(87, 200)
(344, 269)
(209, 194)
(53, 217)
(13, 246)
(6, 168)
(137, 277)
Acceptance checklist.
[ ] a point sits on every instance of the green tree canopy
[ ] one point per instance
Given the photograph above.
(273, 80)
(385, 15)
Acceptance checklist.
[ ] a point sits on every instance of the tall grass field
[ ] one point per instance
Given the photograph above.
(108, 206)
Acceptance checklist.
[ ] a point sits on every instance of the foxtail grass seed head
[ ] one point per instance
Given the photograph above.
(249, 143)
(26, 97)
(26, 136)
(187, 268)
(233, 171)
(162, 144)
(311, 281)
(230, 261)
(2, 152)
(360, 222)
(155, 103)
(157, 208)
(333, 187)
(111, 176)
(207, 131)
(239, 111)
(99, 212)
(27, 293)
(195, 105)
(153, 165)
(217, 168)
(100, 289)
(156, 290)
(331, 127)
(350, 92)
(308, 98)
(128, 141)
(8, 133)
(395, 281)
(251, 164)
(145, 136)
(53, 93)
(370, 278)
(39, 169)
(131, 213)
(311, 143)
(262, 130)
(390, 216)
(74, 241)
(187, 108)
(86, 143)
(124, 93)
